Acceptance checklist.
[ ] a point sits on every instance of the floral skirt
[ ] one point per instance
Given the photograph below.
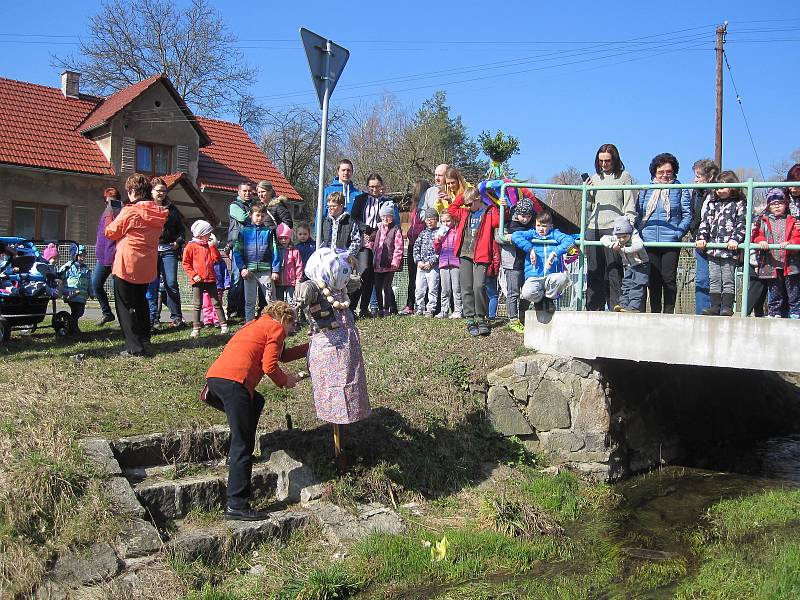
(337, 373)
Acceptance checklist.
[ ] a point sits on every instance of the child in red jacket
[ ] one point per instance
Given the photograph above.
(780, 268)
(199, 257)
(476, 249)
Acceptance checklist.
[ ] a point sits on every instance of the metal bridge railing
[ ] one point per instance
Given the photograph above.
(584, 189)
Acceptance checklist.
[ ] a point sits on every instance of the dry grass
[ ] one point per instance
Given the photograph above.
(426, 437)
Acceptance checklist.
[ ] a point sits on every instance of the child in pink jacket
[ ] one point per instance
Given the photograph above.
(387, 253)
(291, 264)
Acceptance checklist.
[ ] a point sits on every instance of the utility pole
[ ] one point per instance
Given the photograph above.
(721, 31)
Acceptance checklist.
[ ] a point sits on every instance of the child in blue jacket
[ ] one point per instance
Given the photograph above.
(545, 279)
(77, 278)
(258, 260)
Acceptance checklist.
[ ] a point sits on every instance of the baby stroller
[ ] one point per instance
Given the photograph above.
(28, 284)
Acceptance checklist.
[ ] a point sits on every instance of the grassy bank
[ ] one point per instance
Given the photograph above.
(483, 520)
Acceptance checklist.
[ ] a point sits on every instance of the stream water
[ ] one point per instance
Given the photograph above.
(660, 507)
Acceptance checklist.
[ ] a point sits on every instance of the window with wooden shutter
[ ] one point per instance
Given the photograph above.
(128, 163)
(182, 159)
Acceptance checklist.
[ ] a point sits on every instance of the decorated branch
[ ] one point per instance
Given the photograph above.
(499, 148)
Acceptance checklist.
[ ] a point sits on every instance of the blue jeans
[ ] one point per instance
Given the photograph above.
(492, 294)
(701, 298)
(168, 269)
(99, 276)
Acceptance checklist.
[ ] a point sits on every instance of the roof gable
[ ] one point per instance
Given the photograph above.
(234, 157)
(112, 105)
(38, 128)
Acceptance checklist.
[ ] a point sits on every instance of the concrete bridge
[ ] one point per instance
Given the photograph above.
(615, 394)
(735, 342)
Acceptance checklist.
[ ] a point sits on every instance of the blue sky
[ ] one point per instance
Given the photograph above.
(563, 77)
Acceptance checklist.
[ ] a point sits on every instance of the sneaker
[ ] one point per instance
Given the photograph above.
(407, 311)
(441, 315)
(516, 326)
(794, 316)
(473, 330)
(103, 320)
(177, 323)
(223, 329)
(420, 313)
(483, 328)
(194, 332)
(456, 315)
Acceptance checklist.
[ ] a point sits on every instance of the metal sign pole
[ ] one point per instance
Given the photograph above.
(323, 143)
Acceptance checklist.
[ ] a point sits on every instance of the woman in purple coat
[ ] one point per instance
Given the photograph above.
(104, 250)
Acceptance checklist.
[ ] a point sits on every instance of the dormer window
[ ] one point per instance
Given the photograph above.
(153, 159)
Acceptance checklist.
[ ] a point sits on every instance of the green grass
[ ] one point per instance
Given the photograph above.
(749, 549)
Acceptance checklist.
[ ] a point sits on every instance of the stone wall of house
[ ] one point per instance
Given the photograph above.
(613, 418)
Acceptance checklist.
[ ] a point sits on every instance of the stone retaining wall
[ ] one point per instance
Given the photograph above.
(558, 406)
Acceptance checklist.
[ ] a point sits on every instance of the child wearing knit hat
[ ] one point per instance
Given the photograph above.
(199, 257)
(779, 268)
(626, 242)
(387, 258)
(427, 259)
(291, 264)
(512, 259)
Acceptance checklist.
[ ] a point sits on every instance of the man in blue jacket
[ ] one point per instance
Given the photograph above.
(342, 183)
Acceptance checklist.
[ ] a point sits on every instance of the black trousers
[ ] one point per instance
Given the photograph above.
(663, 279)
(757, 295)
(364, 293)
(133, 313)
(412, 281)
(243, 413)
(384, 291)
(603, 273)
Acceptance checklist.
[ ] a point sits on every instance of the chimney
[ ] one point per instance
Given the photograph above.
(70, 84)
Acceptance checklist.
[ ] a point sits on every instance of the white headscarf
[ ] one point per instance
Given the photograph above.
(330, 267)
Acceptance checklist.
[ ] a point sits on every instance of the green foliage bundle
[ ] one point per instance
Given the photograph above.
(499, 148)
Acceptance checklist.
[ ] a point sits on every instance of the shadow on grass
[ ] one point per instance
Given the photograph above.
(386, 451)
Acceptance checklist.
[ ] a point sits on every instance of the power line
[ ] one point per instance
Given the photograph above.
(741, 107)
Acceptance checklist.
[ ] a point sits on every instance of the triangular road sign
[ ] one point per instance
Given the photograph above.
(325, 59)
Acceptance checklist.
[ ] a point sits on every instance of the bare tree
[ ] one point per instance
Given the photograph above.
(290, 139)
(781, 168)
(131, 40)
(566, 202)
(250, 115)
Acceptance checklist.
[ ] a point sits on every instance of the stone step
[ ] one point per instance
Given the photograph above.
(168, 499)
(193, 445)
(202, 485)
(213, 541)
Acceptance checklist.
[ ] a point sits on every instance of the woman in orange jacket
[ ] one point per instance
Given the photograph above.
(254, 351)
(136, 231)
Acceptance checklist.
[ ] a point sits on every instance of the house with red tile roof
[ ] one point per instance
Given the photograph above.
(59, 149)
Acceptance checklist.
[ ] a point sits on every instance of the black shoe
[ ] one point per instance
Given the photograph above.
(549, 305)
(244, 514)
(103, 320)
(483, 328)
(473, 329)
